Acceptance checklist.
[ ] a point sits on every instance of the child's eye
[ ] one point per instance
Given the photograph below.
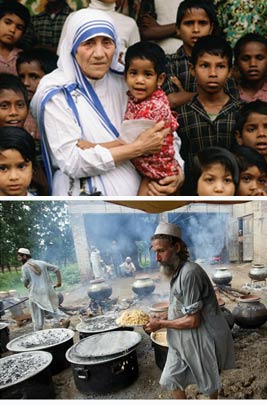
(245, 58)
(3, 106)
(208, 179)
(21, 104)
(260, 57)
(204, 65)
(245, 178)
(262, 180)
(20, 27)
(250, 129)
(3, 168)
(22, 165)
(34, 77)
(228, 180)
(203, 23)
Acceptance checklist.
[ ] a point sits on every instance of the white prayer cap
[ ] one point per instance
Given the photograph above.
(24, 251)
(164, 228)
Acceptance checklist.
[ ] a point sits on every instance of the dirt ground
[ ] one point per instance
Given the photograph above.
(247, 381)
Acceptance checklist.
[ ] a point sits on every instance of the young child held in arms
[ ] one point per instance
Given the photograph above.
(17, 161)
(210, 117)
(144, 75)
(250, 54)
(14, 18)
(215, 172)
(14, 108)
(252, 172)
(251, 127)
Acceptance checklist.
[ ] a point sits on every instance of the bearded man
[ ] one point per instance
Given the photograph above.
(199, 339)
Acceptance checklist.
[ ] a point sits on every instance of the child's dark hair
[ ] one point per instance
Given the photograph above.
(46, 59)
(205, 5)
(146, 50)
(19, 139)
(12, 82)
(247, 157)
(257, 106)
(211, 155)
(251, 37)
(213, 45)
(14, 7)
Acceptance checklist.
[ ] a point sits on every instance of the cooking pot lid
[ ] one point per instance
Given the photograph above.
(21, 366)
(107, 344)
(40, 339)
(102, 323)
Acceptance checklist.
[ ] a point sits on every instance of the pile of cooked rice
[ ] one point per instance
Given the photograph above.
(133, 317)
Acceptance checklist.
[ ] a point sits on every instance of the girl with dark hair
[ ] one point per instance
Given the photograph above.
(215, 172)
(17, 161)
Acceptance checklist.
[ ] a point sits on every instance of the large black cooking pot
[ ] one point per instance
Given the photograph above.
(98, 324)
(26, 376)
(4, 337)
(55, 341)
(159, 343)
(105, 362)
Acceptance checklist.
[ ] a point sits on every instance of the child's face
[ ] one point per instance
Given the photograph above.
(13, 108)
(251, 181)
(30, 74)
(252, 61)
(15, 173)
(142, 78)
(254, 133)
(12, 28)
(194, 25)
(215, 181)
(211, 72)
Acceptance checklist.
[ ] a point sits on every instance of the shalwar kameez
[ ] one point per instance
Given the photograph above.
(42, 295)
(196, 356)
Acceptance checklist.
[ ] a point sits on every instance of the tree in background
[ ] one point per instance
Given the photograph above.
(41, 226)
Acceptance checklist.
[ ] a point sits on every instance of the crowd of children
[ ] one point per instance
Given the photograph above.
(211, 96)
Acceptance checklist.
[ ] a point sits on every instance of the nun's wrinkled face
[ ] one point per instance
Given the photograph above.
(94, 56)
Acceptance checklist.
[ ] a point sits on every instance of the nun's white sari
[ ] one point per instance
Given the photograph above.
(67, 109)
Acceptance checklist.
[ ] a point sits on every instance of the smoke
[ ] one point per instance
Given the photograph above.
(207, 235)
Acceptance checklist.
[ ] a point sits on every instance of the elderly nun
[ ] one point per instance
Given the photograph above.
(85, 99)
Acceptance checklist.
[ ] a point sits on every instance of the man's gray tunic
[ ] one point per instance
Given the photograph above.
(196, 356)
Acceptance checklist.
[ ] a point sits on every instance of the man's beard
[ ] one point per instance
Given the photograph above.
(167, 270)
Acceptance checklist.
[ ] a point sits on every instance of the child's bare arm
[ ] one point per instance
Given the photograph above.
(86, 144)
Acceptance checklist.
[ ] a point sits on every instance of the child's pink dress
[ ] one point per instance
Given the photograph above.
(156, 108)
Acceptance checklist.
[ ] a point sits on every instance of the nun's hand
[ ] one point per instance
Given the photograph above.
(151, 140)
(169, 185)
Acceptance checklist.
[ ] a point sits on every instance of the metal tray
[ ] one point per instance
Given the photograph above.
(107, 344)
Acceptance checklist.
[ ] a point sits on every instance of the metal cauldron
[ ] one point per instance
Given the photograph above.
(99, 289)
(143, 285)
(105, 362)
(26, 376)
(258, 272)
(250, 312)
(222, 276)
(160, 345)
(55, 341)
